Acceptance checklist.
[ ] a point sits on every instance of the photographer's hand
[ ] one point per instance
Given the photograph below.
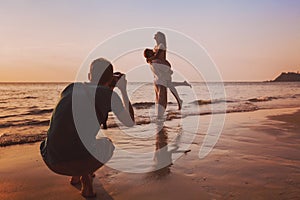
(122, 85)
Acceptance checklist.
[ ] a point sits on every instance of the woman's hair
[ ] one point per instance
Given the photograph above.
(161, 39)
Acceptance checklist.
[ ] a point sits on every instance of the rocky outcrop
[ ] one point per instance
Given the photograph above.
(288, 77)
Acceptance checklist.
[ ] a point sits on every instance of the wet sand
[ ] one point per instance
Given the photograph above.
(256, 157)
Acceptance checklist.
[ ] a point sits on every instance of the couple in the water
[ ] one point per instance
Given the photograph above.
(162, 72)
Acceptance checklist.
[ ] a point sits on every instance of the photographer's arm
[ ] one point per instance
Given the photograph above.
(126, 116)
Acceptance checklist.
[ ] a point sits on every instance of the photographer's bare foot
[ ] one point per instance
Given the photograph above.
(75, 180)
(87, 186)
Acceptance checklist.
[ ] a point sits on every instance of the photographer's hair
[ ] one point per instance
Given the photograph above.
(101, 71)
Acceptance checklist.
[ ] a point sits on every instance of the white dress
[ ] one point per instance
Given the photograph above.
(162, 74)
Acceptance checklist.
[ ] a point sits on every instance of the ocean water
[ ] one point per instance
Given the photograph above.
(25, 108)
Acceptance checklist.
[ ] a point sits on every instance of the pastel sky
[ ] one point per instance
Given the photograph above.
(49, 40)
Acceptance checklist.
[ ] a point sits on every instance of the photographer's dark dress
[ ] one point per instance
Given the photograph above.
(65, 150)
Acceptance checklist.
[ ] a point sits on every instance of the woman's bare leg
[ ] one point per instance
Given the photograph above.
(176, 95)
(184, 83)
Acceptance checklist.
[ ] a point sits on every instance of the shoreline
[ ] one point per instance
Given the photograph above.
(7, 140)
(257, 156)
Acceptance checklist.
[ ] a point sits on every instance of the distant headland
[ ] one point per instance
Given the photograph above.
(288, 77)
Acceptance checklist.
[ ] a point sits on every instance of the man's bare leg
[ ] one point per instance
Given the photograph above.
(161, 101)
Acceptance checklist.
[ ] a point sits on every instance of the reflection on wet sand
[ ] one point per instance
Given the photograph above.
(163, 156)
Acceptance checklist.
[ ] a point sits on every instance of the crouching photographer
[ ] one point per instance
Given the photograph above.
(75, 122)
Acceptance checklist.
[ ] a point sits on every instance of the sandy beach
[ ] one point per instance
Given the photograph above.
(256, 157)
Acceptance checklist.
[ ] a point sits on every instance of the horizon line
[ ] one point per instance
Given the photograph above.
(227, 81)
